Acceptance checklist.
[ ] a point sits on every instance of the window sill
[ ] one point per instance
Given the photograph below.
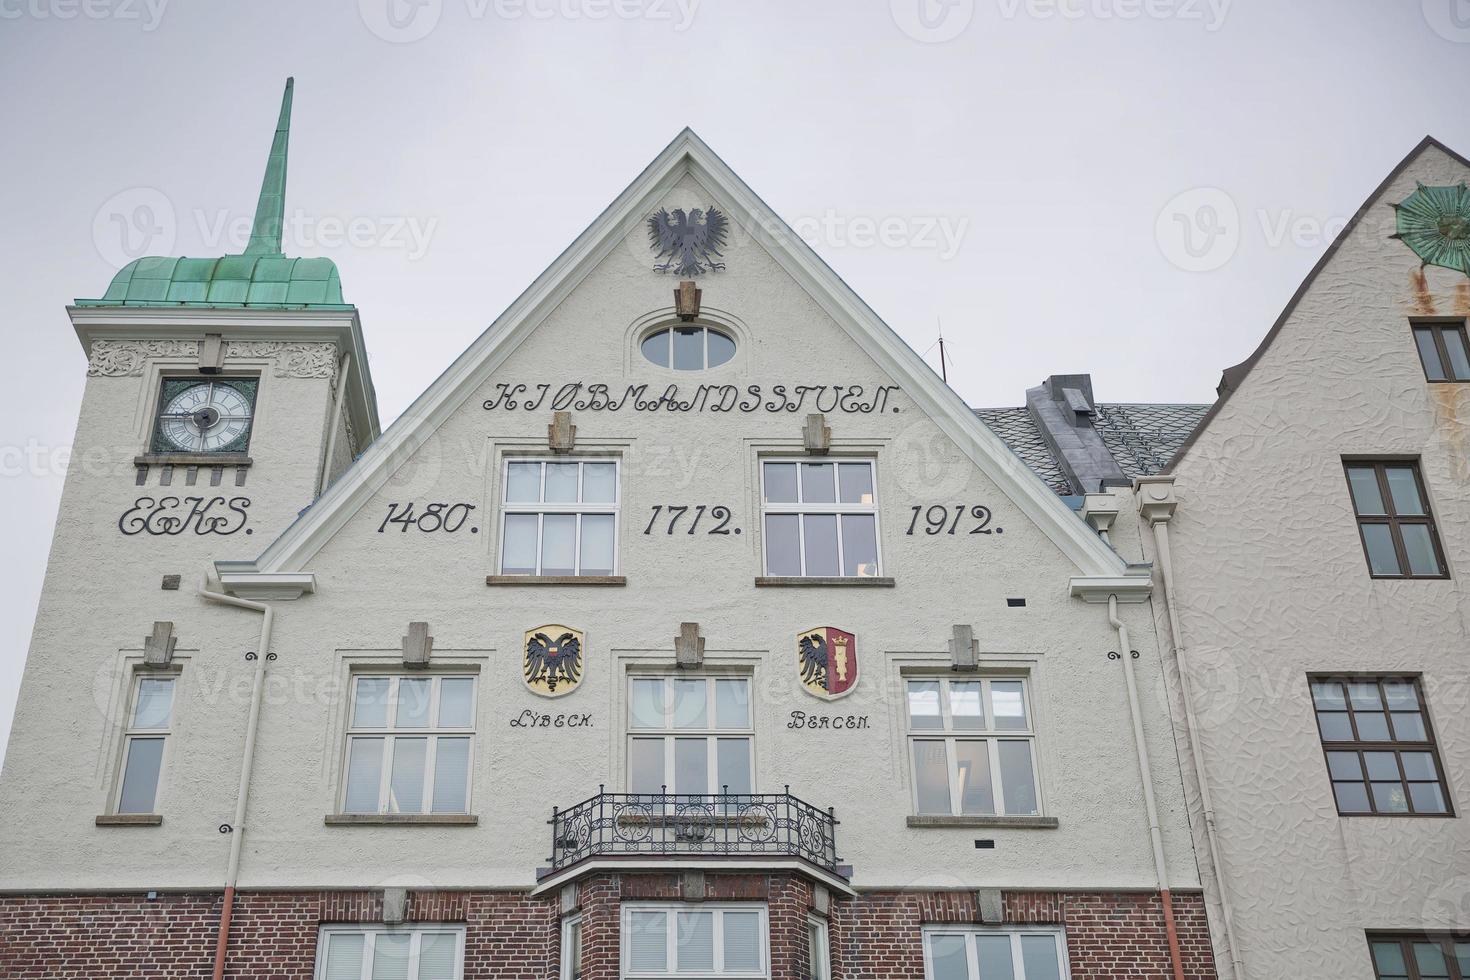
(129, 820)
(193, 459)
(999, 823)
(396, 819)
(556, 580)
(857, 581)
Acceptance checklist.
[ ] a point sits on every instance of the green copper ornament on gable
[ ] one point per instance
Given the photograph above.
(262, 277)
(1435, 223)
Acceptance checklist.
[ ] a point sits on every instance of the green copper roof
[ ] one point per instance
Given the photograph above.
(261, 278)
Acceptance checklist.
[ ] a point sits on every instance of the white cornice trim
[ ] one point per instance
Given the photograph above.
(264, 586)
(658, 863)
(1099, 588)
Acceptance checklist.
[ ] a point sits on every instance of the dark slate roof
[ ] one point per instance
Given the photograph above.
(1015, 428)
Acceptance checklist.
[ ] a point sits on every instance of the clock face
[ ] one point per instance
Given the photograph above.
(204, 417)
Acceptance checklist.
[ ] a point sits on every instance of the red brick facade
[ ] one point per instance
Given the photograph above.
(511, 935)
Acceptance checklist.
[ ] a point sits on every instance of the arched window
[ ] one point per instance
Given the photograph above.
(688, 348)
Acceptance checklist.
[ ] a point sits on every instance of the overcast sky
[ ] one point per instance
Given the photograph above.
(1131, 188)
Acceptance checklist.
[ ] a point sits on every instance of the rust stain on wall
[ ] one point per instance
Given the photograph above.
(1451, 408)
(1423, 301)
(1462, 298)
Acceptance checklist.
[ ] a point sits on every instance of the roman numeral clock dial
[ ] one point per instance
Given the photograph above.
(208, 417)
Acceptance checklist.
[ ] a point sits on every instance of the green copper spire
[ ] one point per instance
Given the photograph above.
(270, 212)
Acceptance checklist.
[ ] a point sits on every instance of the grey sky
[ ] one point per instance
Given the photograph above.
(1013, 167)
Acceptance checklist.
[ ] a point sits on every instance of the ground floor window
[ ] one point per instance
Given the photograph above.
(390, 953)
(571, 948)
(695, 941)
(819, 953)
(1420, 957)
(995, 954)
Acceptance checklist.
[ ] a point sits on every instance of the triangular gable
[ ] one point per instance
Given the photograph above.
(687, 154)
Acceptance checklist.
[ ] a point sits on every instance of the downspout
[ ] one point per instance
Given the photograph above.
(237, 836)
(321, 482)
(1166, 573)
(1126, 655)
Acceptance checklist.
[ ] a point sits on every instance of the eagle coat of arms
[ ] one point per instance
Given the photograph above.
(688, 244)
(551, 661)
(827, 662)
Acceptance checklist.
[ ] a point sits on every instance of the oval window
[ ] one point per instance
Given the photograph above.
(688, 348)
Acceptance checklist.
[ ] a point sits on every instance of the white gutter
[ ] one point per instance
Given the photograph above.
(321, 482)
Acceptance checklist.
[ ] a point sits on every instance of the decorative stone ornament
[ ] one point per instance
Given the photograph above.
(418, 645)
(561, 434)
(551, 661)
(964, 649)
(1435, 223)
(211, 354)
(686, 300)
(158, 649)
(395, 906)
(688, 646)
(816, 435)
(827, 662)
(689, 243)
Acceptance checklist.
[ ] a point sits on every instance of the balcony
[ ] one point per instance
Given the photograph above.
(715, 825)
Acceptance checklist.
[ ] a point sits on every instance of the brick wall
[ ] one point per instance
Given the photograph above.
(512, 936)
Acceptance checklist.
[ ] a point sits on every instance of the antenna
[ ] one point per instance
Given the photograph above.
(943, 370)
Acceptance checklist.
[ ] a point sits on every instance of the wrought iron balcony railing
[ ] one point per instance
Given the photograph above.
(700, 824)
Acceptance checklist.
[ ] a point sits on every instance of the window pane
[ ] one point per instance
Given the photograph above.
(688, 348)
(947, 954)
(561, 483)
(816, 941)
(406, 785)
(390, 956)
(733, 757)
(140, 775)
(1328, 694)
(742, 941)
(931, 776)
(855, 483)
(1430, 960)
(648, 939)
(436, 956)
(451, 775)
(964, 705)
(522, 483)
(413, 702)
(456, 702)
(599, 483)
(1400, 693)
(1016, 782)
(370, 703)
(816, 483)
(1390, 798)
(519, 554)
(780, 483)
(1427, 797)
(859, 545)
(1364, 694)
(973, 761)
(597, 544)
(558, 544)
(1008, 704)
(694, 944)
(1389, 958)
(820, 531)
(1408, 726)
(656, 348)
(690, 710)
(994, 955)
(1419, 547)
(732, 704)
(1428, 353)
(783, 554)
(1454, 344)
(364, 774)
(1419, 765)
(1381, 765)
(1367, 499)
(1381, 557)
(646, 765)
(1351, 797)
(1404, 489)
(1344, 765)
(155, 698)
(721, 348)
(344, 956)
(691, 765)
(646, 704)
(1335, 726)
(924, 705)
(1372, 726)
(1039, 957)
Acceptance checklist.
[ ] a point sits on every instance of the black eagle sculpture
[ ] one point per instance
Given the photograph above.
(554, 662)
(813, 650)
(689, 243)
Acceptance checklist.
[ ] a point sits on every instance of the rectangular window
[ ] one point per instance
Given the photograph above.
(1421, 957)
(559, 517)
(820, 519)
(972, 747)
(409, 744)
(690, 735)
(390, 953)
(149, 722)
(1381, 755)
(1394, 520)
(571, 948)
(1443, 351)
(819, 953)
(994, 954)
(694, 941)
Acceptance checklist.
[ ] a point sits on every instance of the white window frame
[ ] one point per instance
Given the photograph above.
(710, 734)
(803, 509)
(718, 938)
(570, 968)
(820, 951)
(1056, 933)
(432, 732)
(989, 734)
(371, 932)
(541, 509)
(131, 733)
